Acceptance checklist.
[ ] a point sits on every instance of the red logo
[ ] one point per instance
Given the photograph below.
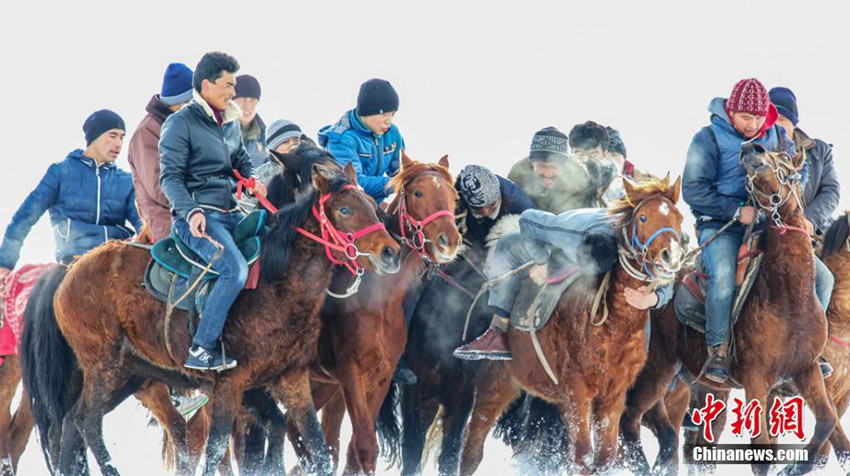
(787, 417)
(747, 418)
(707, 414)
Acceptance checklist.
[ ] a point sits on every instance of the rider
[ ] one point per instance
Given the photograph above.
(143, 154)
(90, 200)
(283, 137)
(366, 137)
(253, 128)
(201, 144)
(714, 186)
(586, 236)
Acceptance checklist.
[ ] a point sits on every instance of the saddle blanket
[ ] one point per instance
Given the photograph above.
(19, 285)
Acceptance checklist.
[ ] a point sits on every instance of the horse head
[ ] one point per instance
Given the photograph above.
(297, 170)
(652, 226)
(425, 204)
(772, 179)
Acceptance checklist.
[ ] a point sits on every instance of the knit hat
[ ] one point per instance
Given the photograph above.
(176, 84)
(478, 186)
(785, 102)
(247, 86)
(281, 131)
(615, 142)
(749, 96)
(549, 144)
(376, 96)
(100, 122)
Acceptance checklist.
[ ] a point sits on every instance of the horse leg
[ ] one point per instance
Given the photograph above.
(363, 449)
(838, 439)
(20, 430)
(100, 387)
(294, 392)
(197, 431)
(322, 394)
(658, 420)
(272, 428)
(10, 375)
(455, 415)
(332, 415)
(417, 418)
(72, 448)
(228, 398)
(494, 393)
(157, 398)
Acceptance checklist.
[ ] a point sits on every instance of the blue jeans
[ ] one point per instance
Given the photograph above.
(719, 258)
(231, 267)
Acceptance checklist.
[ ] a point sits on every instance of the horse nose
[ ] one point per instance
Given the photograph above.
(665, 255)
(389, 256)
(443, 241)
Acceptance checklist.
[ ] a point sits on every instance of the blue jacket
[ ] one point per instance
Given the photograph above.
(713, 183)
(822, 191)
(197, 158)
(375, 158)
(514, 202)
(88, 205)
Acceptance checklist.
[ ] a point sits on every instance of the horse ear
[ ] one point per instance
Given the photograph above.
(289, 161)
(321, 176)
(629, 188)
(444, 162)
(798, 161)
(666, 180)
(350, 173)
(405, 160)
(673, 192)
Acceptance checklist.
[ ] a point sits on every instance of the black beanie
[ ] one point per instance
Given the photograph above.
(377, 96)
(247, 86)
(100, 122)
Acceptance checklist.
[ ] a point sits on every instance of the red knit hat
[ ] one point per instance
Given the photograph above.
(749, 96)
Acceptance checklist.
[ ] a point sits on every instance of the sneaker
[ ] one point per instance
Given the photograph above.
(717, 366)
(201, 358)
(491, 345)
(403, 374)
(189, 404)
(825, 367)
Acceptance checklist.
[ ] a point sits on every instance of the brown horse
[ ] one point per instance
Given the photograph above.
(781, 332)
(116, 329)
(15, 428)
(594, 364)
(364, 335)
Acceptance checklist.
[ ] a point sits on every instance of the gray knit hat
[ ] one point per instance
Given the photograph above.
(478, 186)
(549, 144)
(281, 131)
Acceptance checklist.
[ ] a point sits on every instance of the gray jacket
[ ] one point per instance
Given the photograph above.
(822, 190)
(567, 230)
(197, 158)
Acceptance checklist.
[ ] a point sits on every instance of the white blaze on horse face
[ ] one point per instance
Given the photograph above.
(664, 209)
(436, 182)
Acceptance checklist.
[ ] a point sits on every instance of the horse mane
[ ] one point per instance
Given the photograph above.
(414, 169)
(279, 239)
(285, 186)
(650, 188)
(836, 236)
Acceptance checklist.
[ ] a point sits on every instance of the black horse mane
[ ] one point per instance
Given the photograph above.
(279, 239)
(836, 236)
(285, 186)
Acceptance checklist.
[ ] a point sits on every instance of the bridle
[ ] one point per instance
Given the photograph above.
(409, 225)
(774, 201)
(636, 251)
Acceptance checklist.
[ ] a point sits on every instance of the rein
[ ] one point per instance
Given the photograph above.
(409, 225)
(636, 250)
(249, 184)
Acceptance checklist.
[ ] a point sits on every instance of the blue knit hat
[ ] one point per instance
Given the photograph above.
(377, 96)
(785, 102)
(176, 84)
(100, 122)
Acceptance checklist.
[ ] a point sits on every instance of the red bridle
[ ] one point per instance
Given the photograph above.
(406, 221)
(335, 240)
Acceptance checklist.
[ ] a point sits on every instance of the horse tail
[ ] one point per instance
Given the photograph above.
(533, 428)
(48, 365)
(836, 236)
(388, 427)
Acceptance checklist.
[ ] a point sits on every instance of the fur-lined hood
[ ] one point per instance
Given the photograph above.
(231, 113)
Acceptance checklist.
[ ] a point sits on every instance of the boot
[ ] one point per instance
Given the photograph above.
(717, 365)
(491, 345)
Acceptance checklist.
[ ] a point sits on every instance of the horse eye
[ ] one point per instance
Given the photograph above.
(417, 194)
(344, 211)
(643, 218)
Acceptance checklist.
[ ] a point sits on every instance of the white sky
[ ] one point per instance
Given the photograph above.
(475, 80)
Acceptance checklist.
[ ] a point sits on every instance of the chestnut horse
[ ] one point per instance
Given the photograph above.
(594, 364)
(364, 335)
(116, 329)
(781, 332)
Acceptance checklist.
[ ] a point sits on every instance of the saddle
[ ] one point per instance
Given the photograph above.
(689, 301)
(535, 304)
(174, 267)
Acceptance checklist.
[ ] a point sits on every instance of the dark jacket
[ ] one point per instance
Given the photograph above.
(88, 205)
(713, 183)
(254, 140)
(375, 158)
(822, 190)
(143, 155)
(197, 158)
(514, 202)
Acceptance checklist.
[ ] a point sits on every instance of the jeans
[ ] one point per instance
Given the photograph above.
(231, 267)
(511, 252)
(720, 260)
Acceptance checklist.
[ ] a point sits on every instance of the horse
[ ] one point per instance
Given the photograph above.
(364, 335)
(781, 332)
(116, 332)
(594, 363)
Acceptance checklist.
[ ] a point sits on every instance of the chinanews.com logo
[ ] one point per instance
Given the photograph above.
(749, 419)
